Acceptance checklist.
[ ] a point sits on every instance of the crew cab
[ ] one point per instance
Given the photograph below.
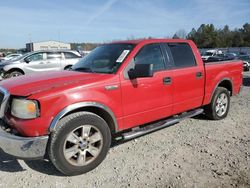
(119, 91)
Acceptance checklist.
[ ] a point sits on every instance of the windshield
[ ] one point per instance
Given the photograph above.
(21, 57)
(104, 59)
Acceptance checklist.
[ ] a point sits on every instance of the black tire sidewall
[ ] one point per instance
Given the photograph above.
(58, 143)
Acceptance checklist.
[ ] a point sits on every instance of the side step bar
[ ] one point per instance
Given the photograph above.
(139, 131)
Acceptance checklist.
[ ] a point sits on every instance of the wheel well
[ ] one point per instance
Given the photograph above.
(15, 69)
(228, 85)
(100, 112)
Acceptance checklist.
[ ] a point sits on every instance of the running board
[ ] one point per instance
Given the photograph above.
(139, 131)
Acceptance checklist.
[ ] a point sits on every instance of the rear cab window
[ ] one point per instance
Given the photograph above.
(182, 55)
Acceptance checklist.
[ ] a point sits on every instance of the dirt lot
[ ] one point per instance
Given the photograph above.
(193, 153)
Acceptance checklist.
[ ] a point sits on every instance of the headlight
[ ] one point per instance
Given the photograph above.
(24, 109)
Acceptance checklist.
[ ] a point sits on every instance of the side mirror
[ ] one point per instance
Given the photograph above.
(141, 71)
(27, 60)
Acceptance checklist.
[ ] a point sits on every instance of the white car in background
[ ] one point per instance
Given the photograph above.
(210, 53)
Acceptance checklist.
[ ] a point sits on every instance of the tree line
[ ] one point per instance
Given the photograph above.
(207, 36)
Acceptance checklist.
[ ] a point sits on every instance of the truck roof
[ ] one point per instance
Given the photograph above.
(137, 41)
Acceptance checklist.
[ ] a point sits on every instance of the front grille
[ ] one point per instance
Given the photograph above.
(4, 97)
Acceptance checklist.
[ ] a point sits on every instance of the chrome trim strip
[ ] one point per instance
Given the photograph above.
(156, 126)
(4, 101)
(81, 105)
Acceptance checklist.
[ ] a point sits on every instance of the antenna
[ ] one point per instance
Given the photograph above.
(30, 38)
(59, 38)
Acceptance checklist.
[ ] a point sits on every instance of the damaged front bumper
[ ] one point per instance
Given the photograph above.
(18, 146)
(23, 147)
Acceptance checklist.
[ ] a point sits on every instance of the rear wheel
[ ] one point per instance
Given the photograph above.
(219, 106)
(80, 143)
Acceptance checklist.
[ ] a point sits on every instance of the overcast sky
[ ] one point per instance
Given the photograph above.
(102, 21)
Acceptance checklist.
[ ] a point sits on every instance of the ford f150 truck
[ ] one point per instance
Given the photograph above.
(121, 90)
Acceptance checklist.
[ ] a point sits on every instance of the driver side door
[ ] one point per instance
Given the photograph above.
(146, 99)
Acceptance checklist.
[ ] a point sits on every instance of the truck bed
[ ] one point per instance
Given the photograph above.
(219, 71)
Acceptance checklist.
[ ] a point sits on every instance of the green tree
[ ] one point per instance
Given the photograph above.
(207, 36)
(246, 34)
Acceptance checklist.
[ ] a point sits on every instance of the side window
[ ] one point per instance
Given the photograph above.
(69, 55)
(35, 57)
(151, 54)
(51, 55)
(182, 55)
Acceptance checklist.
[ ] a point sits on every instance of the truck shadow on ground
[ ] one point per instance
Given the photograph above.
(10, 164)
(246, 81)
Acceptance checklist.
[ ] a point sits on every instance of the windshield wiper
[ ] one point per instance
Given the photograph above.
(83, 69)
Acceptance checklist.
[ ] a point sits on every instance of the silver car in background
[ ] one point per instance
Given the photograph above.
(9, 57)
(39, 61)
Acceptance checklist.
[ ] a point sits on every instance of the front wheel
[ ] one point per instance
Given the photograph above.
(80, 143)
(219, 106)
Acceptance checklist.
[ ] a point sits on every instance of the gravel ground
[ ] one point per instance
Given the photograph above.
(193, 153)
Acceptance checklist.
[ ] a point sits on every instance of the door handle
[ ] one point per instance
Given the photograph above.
(199, 75)
(41, 63)
(167, 80)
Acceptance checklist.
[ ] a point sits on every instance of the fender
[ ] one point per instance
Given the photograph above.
(76, 106)
(224, 79)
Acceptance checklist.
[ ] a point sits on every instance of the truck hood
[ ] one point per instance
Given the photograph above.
(34, 83)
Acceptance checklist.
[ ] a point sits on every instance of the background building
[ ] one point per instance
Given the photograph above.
(47, 45)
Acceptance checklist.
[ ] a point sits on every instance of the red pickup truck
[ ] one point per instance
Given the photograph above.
(121, 90)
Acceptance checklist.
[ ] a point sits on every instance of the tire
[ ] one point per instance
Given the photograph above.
(14, 74)
(70, 151)
(220, 104)
(67, 67)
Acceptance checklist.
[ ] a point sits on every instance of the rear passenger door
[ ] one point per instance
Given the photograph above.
(188, 77)
(53, 61)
